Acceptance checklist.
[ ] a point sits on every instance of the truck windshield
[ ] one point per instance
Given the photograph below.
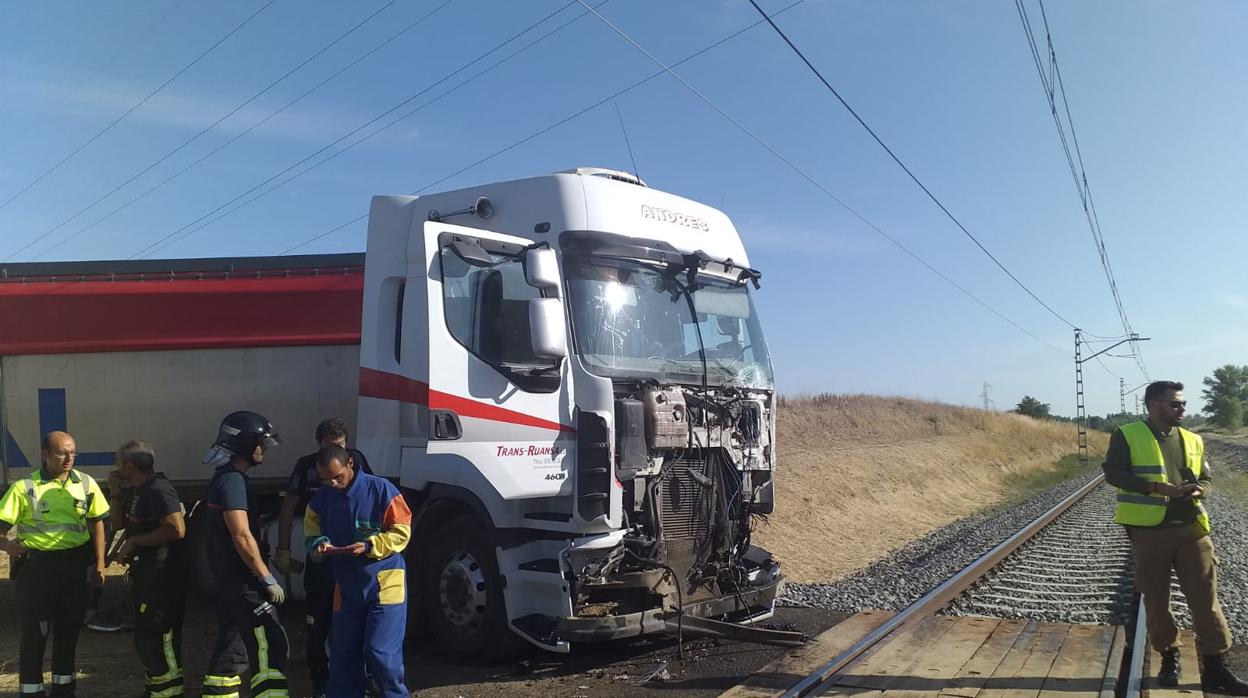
(637, 320)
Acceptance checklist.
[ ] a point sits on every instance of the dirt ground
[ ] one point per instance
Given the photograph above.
(108, 667)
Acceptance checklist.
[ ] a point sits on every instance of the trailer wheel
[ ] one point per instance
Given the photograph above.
(463, 594)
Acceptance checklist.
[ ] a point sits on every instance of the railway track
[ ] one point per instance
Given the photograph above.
(1077, 570)
(1069, 565)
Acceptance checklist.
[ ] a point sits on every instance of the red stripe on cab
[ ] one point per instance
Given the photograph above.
(391, 386)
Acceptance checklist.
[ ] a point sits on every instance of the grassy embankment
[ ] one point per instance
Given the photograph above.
(860, 475)
(1232, 480)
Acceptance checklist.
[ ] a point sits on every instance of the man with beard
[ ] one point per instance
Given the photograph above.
(1161, 474)
(248, 629)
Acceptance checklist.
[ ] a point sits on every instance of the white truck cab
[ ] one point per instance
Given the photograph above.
(568, 378)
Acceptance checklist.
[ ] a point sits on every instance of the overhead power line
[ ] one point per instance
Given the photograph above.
(1050, 73)
(92, 76)
(907, 170)
(238, 201)
(247, 130)
(209, 127)
(138, 104)
(666, 69)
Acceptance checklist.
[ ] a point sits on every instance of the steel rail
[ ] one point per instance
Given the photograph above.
(1139, 644)
(826, 675)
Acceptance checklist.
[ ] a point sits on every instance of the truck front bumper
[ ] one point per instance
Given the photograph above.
(759, 604)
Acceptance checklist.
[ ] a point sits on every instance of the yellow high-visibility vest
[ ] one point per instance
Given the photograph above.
(1147, 462)
(51, 514)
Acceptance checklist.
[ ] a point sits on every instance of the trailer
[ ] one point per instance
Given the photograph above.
(566, 376)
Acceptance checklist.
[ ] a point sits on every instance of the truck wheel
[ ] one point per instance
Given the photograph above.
(463, 594)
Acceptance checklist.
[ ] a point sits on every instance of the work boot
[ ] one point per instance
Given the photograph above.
(1170, 669)
(1216, 677)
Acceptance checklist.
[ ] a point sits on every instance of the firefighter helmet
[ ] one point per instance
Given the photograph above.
(241, 432)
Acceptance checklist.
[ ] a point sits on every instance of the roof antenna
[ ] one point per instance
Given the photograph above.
(626, 142)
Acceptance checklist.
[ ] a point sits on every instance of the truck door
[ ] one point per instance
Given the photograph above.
(494, 403)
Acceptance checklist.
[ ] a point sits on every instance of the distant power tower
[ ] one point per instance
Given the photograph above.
(986, 396)
(1081, 412)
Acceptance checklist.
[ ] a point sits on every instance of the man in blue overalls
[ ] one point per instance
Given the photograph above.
(361, 523)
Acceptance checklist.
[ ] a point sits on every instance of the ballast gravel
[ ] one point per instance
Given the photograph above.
(904, 575)
(901, 577)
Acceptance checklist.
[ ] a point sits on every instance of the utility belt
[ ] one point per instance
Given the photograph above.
(150, 556)
(65, 553)
(75, 554)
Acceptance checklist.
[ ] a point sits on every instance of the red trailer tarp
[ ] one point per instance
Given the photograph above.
(42, 316)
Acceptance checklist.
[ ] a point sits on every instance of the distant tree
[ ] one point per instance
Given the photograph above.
(1032, 407)
(1194, 420)
(1228, 412)
(1111, 422)
(1226, 395)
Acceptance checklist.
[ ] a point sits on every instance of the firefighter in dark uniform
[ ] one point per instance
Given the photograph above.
(58, 556)
(248, 629)
(151, 515)
(318, 577)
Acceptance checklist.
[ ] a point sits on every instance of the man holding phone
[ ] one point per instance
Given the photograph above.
(361, 523)
(1161, 474)
(318, 577)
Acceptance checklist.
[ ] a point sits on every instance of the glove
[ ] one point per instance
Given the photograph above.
(282, 561)
(273, 590)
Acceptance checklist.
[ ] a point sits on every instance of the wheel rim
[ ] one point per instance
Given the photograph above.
(462, 591)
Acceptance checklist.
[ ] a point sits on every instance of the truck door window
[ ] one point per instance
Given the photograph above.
(398, 325)
(487, 311)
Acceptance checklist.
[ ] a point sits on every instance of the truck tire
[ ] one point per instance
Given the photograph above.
(463, 594)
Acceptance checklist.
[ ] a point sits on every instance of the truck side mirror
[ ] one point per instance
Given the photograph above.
(547, 333)
(541, 269)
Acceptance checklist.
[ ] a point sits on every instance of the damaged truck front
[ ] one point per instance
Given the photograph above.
(567, 376)
(692, 394)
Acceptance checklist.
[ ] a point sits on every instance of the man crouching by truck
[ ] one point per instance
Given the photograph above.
(248, 629)
(152, 519)
(362, 523)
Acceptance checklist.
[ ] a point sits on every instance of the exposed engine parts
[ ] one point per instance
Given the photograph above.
(696, 466)
(667, 423)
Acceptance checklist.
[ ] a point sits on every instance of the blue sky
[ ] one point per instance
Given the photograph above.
(1155, 89)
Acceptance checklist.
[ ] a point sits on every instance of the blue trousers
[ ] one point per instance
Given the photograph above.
(367, 635)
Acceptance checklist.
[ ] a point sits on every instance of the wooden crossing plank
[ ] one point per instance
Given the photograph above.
(776, 677)
(932, 672)
(976, 672)
(945, 657)
(1109, 684)
(1189, 680)
(1079, 668)
(884, 666)
(1021, 674)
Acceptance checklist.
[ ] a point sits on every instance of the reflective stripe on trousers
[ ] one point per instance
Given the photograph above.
(169, 684)
(267, 681)
(221, 686)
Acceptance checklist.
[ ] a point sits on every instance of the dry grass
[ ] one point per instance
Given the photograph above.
(860, 475)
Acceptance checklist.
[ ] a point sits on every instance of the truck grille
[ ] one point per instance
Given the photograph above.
(682, 500)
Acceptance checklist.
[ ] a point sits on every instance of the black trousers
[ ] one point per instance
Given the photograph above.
(159, 607)
(249, 633)
(318, 583)
(52, 593)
